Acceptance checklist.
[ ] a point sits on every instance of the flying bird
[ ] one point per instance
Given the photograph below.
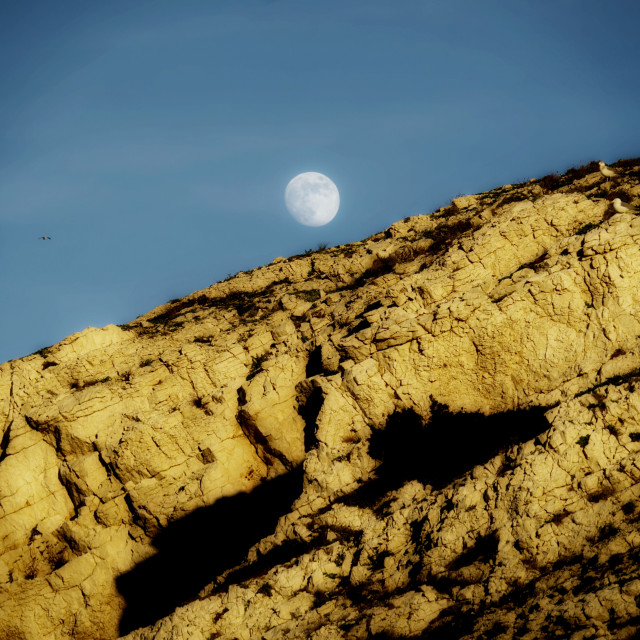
(623, 207)
(606, 171)
(44, 238)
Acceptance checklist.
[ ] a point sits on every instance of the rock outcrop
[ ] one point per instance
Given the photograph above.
(431, 433)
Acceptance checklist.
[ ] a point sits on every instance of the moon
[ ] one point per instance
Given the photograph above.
(312, 199)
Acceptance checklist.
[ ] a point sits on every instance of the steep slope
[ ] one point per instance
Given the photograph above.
(432, 432)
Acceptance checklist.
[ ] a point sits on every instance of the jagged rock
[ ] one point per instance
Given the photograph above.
(430, 433)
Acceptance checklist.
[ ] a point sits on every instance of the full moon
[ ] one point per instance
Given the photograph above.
(312, 199)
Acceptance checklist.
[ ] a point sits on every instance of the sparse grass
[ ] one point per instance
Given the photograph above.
(256, 365)
(511, 198)
(379, 268)
(444, 235)
(321, 247)
(31, 570)
(583, 441)
(245, 303)
(309, 295)
(626, 163)
(446, 212)
(577, 173)
(550, 182)
(78, 385)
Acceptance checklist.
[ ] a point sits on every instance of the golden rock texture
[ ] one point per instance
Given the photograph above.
(431, 433)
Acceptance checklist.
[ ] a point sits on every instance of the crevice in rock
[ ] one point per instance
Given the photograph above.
(4, 443)
(50, 432)
(108, 465)
(314, 363)
(309, 411)
(69, 480)
(322, 362)
(376, 304)
(147, 523)
(360, 326)
(267, 453)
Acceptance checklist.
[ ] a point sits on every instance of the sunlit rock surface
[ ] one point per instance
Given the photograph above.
(431, 433)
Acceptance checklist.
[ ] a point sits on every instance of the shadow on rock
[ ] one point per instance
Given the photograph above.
(196, 549)
(444, 448)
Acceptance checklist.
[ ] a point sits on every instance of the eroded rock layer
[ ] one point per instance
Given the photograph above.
(431, 433)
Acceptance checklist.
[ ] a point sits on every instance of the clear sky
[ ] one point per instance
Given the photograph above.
(153, 139)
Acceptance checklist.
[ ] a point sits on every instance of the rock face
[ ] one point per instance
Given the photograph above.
(432, 433)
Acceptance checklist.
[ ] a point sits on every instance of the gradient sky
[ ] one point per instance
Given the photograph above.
(153, 140)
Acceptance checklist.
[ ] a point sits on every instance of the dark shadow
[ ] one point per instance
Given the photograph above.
(485, 548)
(443, 449)
(278, 555)
(314, 363)
(309, 412)
(196, 549)
(450, 444)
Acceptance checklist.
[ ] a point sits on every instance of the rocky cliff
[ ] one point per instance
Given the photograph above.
(431, 433)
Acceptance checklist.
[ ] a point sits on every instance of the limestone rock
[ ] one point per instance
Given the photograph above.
(431, 431)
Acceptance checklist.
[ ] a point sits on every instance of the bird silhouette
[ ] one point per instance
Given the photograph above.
(44, 238)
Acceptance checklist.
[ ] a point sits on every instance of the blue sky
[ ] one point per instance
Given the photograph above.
(153, 140)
